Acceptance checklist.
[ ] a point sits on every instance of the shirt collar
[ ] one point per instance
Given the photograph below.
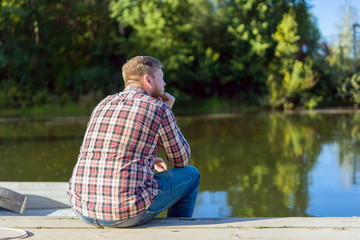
(136, 89)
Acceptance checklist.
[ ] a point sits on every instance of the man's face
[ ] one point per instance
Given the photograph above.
(158, 84)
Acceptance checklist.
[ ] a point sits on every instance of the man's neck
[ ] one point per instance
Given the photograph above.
(133, 82)
(138, 84)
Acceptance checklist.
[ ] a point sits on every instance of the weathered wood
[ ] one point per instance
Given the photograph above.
(12, 200)
(199, 229)
(44, 198)
(47, 200)
(178, 223)
(55, 191)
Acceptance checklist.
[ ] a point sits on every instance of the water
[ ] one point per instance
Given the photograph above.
(266, 164)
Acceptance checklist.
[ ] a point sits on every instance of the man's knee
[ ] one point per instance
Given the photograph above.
(194, 173)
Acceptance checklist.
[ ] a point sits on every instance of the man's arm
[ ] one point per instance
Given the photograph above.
(176, 148)
(167, 98)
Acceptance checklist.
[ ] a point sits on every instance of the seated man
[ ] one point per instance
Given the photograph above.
(113, 182)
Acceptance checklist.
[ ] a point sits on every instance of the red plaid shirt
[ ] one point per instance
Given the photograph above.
(113, 178)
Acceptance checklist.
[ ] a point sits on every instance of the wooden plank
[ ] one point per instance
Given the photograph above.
(12, 200)
(49, 199)
(52, 190)
(192, 234)
(43, 223)
(44, 198)
(199, 229)
(178, 223)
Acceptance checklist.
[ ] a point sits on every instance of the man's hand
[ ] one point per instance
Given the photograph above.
(167, 99)
(160, 165)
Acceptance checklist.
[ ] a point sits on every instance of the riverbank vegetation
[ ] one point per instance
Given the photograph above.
(216, 53)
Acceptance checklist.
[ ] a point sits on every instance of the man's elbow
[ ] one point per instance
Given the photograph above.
(185, 160)
(184, 164)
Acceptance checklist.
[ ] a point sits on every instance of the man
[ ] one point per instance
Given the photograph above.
(113, 182)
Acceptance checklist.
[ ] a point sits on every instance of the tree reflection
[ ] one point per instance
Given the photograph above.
(257, 163)
(263, 159)
(39, 150)
(349, 142)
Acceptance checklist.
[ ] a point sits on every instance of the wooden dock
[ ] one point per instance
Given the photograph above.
(49, 216)
(45, 198)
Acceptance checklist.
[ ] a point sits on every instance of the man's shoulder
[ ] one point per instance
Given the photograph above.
(154, 103)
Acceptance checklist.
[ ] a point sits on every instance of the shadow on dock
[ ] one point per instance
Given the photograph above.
(41, 206)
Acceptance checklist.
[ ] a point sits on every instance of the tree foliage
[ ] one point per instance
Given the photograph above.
(288, 76)
(335, 64)
(237, 51)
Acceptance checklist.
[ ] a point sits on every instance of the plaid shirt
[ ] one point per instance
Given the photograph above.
(113, 178)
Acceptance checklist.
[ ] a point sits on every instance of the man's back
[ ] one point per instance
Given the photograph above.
(114, 176)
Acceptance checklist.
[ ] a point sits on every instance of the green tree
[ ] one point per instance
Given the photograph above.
(160, 29)
(350, 89)
(288, 76)
(249, 27)
(15, 24)
(52, 51)
(341, 60)
(250, 24)
(73, 50)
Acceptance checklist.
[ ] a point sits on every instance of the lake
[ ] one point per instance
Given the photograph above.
(252, 164)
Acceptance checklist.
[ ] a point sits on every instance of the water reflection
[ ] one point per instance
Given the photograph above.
(332, 193)
(262, 159)
(39, 150)
(251, 165)
(210, 204)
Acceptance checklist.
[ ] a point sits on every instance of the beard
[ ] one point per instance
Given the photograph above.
(157, 92)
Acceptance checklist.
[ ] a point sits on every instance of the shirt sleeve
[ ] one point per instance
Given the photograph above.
(175, 146)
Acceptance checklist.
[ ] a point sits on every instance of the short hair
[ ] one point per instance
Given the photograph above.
(138, 66)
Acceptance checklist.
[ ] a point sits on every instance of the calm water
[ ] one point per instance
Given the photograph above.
(251, 165)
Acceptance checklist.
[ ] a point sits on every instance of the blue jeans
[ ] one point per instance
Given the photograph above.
(178, 188)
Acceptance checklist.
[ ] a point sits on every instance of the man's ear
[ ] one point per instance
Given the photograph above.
(147, 81)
